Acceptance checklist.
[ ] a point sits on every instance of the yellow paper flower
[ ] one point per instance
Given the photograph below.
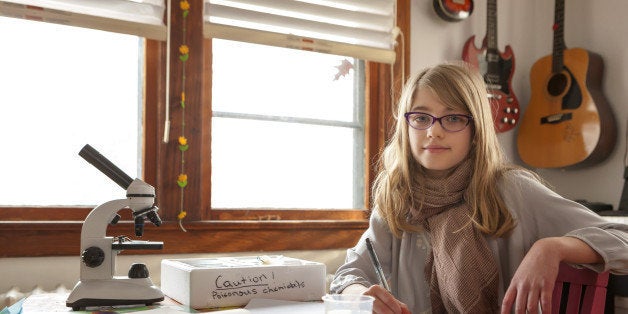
(185, 5)
(181, 215)
(183, 177)
(183, 96)
(183, 144)
(184, 49)
(182, 180)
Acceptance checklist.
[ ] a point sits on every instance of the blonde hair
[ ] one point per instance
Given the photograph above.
(460, 87)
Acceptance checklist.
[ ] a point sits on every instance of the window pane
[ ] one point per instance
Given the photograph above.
(282, 165)
(64, 87)
(259, 79)
(287, 130)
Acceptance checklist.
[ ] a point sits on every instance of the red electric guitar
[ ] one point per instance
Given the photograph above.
(453, 10)
(497, 69)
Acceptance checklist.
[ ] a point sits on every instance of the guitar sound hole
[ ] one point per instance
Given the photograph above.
(557, 84)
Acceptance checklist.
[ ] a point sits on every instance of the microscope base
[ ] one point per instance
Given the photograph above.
(111, 292)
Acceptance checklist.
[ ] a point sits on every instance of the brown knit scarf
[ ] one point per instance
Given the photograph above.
(461, 269)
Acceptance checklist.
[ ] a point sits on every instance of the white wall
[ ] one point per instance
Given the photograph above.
(49, 272)
(598, 26)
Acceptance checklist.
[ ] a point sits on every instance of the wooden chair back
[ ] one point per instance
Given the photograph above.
(579, 291)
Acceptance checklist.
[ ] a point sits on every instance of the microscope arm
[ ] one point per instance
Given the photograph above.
(140, 199)
(95, 225)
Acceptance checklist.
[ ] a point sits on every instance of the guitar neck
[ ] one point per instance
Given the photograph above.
(559, 36)
(491, 25)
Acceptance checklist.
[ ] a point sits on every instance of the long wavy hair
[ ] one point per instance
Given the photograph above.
(460, 87)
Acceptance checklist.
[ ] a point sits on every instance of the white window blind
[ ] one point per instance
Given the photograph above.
(356, 28)
(135, 17)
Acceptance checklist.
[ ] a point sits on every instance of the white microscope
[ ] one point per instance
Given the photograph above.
(98, 285)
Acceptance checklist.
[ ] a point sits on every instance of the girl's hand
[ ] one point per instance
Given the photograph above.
(533, 282)
(385, 303)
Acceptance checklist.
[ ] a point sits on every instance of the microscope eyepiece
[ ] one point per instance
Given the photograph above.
(103, 164)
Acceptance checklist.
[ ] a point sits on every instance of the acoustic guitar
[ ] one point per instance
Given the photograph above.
(568, 122)
(453, 10)
(497, 69)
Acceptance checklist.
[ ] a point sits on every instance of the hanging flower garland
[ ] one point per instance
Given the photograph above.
(184, 53)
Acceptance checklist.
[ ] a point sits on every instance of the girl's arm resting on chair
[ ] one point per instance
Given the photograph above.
(534, 279)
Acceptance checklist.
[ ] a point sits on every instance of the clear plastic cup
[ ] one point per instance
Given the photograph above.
(348, 304)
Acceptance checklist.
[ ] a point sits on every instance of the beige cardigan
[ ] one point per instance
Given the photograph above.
(539, 212)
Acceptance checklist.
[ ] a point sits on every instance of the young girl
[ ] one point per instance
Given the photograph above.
(457, 228)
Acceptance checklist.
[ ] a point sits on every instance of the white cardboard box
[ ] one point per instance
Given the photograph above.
(232, 281)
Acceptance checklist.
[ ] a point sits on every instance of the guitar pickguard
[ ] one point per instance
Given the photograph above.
(497, 71)
(564, 85)
(573, 98)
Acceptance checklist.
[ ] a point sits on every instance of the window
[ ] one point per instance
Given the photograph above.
(287, 128)
(47, 231)
(85, 89)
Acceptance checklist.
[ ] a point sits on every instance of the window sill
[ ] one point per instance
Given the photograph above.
(60, 238)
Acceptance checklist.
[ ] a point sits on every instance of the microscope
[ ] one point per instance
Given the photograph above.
(98, 286)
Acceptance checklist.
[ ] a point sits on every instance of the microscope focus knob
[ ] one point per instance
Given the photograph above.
(138, 270)
(93, 256)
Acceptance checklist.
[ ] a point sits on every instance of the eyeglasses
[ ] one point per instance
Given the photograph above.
(450, 122)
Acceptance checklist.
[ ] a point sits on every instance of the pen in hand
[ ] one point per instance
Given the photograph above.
(377, 265)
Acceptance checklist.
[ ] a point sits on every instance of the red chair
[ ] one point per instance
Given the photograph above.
(579, 291)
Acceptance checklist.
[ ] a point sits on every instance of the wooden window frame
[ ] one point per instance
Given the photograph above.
(56, 231)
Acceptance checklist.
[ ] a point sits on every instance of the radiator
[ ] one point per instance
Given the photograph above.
(14, 294)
